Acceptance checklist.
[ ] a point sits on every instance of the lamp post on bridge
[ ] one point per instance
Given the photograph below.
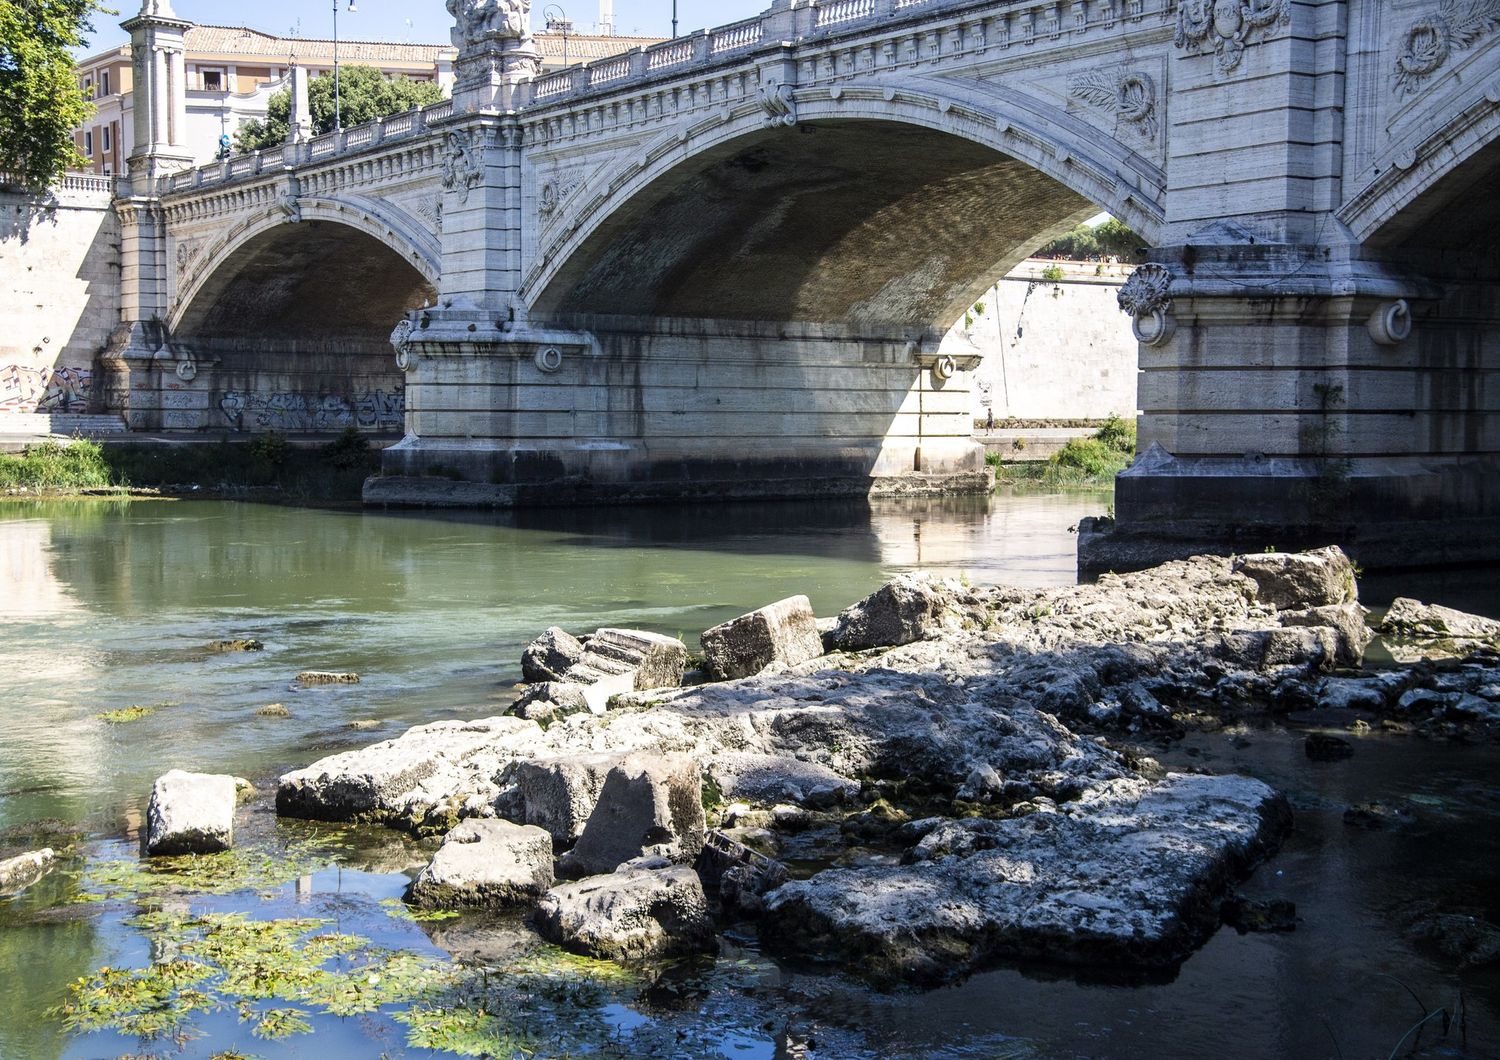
(338, 117)
(560, 20)
(674, 19)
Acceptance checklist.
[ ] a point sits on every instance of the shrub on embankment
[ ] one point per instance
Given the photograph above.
(1092, 462)
(263, 467)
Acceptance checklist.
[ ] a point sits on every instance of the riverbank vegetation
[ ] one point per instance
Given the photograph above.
(1090, 462)
(266, 466)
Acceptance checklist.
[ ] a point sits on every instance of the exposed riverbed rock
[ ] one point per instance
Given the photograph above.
(906, 610)
(632, 914)
(486, 863)
(191, 813)
(548, 701)
(316, 678)
(785, 632)
(424, 781)
(1411, 618)
(1292, 581)
(19, 873)
(650, 805)
(633, 658)
(559, 794)
(551, 655)
(1129, 875)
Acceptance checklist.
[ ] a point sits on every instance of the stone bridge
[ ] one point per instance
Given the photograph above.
(723, 265)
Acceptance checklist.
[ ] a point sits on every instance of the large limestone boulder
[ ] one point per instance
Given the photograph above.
(486, 863)
(1131, 875)
(423, 781)
(19, 873)
(559, 794)
(635, 658)
(1412, 618)
(649, 805)
(784, 633)
(632, 914)
(902, 612)
(191, 813)
(550, 656)
(1346, 620)
(1290, 581)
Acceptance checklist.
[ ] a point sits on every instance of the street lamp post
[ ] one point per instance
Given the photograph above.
(674, 19)
(560, 19)
(338, 117)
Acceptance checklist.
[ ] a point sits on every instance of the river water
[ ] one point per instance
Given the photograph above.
(108, 606)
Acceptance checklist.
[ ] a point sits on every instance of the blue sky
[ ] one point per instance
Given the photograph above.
(425, 21)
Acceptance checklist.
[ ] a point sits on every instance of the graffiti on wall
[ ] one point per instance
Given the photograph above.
(375, 410)
(25, 389)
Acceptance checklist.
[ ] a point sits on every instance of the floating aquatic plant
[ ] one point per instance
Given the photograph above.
(125, 715)
(396, 909)
(225, 873)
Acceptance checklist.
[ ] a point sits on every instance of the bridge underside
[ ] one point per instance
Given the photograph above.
(764, 320)
(289, 334)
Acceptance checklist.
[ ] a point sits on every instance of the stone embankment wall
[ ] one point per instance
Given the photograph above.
(59, 294)
(1053, 350)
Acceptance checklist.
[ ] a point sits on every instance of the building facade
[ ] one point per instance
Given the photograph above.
(232, 72)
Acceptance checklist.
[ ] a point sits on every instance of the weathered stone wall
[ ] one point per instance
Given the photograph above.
(59, 297)
(1053, 350)
(256, 388)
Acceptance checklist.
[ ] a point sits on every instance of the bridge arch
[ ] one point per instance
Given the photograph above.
(882, 205)
(250, 256)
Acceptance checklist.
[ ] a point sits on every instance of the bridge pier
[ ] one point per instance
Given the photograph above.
(503, 414)
(1296, 396)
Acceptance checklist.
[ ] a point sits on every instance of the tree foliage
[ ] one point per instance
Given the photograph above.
(1084, 243)
(41, 102)
(365, 94)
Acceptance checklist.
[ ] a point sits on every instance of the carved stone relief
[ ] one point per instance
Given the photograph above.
(1227, 26)
(1431, 40)
(1147, 298)
(1129, 94)
(462, 169)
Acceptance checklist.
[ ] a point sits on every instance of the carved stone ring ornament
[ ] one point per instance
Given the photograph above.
(549, 360)
(1226, 26)
(1432, 39)
(1391, 324)
(187, 371)
(1147, 298)
(1131, 95)
(401, 340)
(944, 369)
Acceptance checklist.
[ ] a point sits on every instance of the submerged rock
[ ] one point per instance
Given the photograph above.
(550, 656)
(486, 863)
(1321, 747)
(191, 813)
(1468, 939)
(785, 632)
(648, 805)
(1249, 915)
(228, 647)
(1131, 875)
(632, 914)
(313, 678)
(19, 873)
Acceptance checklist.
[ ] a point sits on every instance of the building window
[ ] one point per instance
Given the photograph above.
(104, 86)
(106, 139)
(88, 88)
(88, 144)
(213, 80)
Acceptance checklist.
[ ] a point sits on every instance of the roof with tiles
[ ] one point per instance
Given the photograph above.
(248, 43)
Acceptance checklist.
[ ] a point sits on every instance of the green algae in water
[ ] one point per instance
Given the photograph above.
(396, 909)
(126, 715)
(227, 873)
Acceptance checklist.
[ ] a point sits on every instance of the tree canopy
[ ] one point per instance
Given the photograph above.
(1110, 239)
(41, 102)
(365, 94)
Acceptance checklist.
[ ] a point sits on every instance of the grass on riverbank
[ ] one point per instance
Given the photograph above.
(1090, 462)
(332, 473)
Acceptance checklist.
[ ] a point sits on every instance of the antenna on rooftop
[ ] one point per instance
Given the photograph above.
(606, 18)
